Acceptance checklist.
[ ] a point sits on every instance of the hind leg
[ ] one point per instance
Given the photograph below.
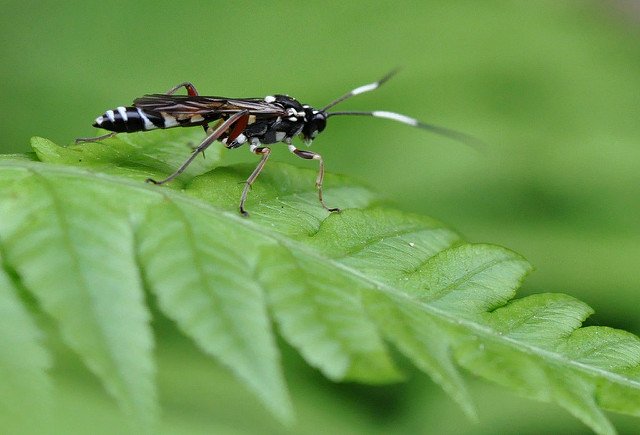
(208, 140)
(95, 139)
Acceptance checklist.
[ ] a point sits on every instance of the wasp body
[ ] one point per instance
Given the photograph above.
(236, 121)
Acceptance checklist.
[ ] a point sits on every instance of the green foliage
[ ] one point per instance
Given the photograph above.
(85, 237)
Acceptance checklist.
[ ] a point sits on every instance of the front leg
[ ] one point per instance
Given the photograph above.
(310, 155)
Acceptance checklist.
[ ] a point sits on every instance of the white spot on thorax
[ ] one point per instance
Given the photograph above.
(196, 118)
(123, 113)
(269, 99)
(110, 115)
(241, 139)
(280, 135)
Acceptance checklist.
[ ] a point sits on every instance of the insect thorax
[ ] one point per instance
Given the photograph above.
(268, 130)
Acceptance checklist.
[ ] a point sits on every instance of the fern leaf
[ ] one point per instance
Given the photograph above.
(220, 303)
(149, 155)
(25, 390)
(340, 287)
(78, 261)
(325, 320)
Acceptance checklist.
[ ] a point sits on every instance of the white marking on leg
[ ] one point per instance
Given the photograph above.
(253, 148)
(292, 148)
(148, 125)
(241, 139)
(123, 113)
(365, 88)
(110, 115)
(396, 117)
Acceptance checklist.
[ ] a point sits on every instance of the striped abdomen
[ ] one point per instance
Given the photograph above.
(131, 119)
(128, 120)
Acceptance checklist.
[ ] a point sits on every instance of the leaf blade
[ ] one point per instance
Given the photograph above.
(220, 306)
(26, 391)
(99, 310)
(464, 290)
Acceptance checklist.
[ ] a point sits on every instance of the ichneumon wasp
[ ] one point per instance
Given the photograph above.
(235, 121)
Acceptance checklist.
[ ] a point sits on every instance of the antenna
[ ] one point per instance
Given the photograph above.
(442, 131)
(361, 89)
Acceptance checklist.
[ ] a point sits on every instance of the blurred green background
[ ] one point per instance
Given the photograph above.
(552, 86)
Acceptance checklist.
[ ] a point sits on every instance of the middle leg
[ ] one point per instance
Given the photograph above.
(310, 155)
(265, 152)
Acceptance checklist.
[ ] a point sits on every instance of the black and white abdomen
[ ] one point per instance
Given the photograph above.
(129, 120)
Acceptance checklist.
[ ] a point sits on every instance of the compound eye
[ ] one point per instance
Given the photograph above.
(320, 121)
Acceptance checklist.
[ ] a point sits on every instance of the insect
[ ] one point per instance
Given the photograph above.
(236, 121)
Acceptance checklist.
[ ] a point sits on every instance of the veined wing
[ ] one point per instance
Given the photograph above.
(192, 105)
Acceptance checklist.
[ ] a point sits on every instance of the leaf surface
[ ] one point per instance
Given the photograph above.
(25, 391)
(340, 288)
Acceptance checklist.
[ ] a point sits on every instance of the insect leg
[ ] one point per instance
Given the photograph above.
(191, 90)
(310, 155)
(265, 155)
(95, 139)
(203, 146)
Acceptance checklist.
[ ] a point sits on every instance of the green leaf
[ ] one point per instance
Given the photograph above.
(326, 319)
(219, 302)
(78, 261)
(25, 390)
(149, 155)
(340, 287)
